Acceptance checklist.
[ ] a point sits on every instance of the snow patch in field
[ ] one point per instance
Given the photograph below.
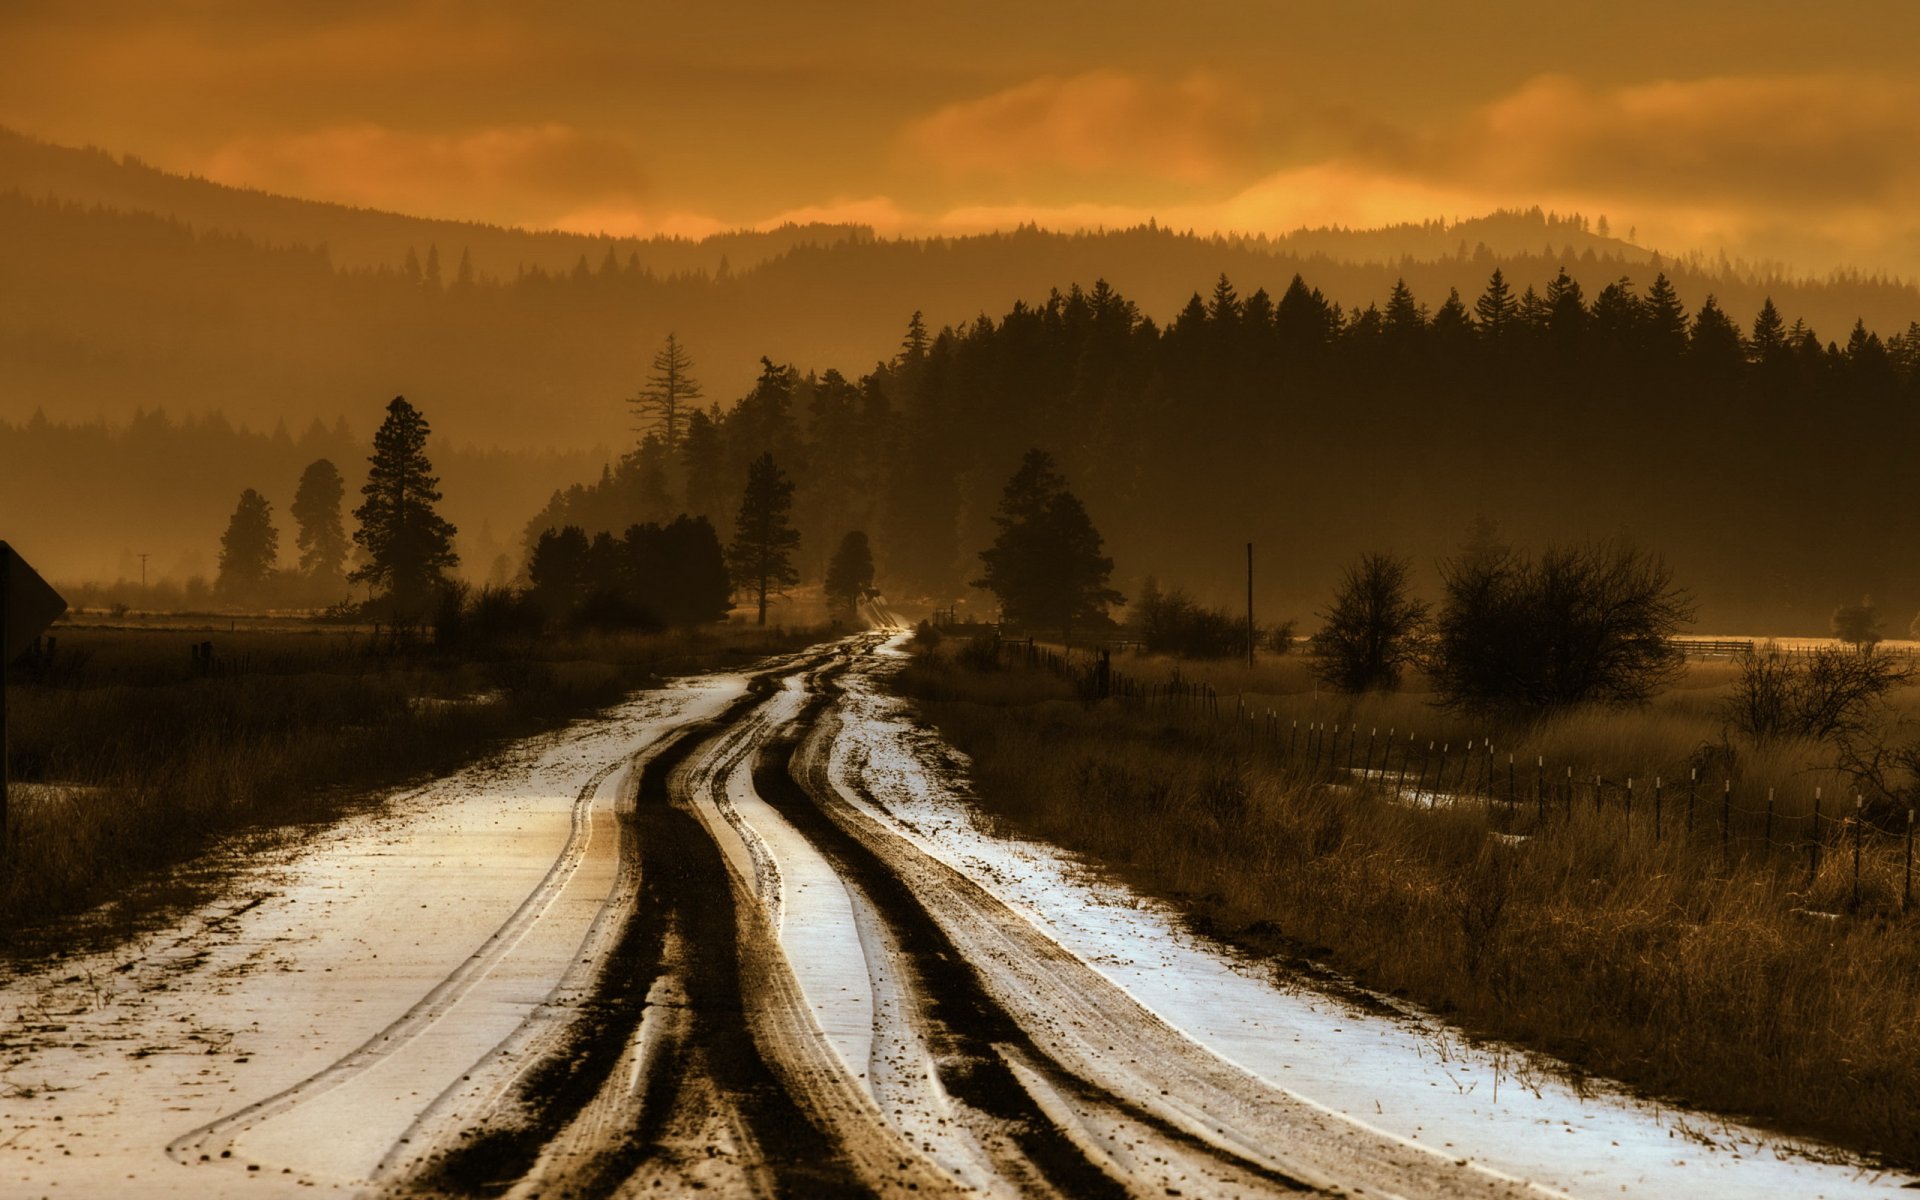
(1411, 1077)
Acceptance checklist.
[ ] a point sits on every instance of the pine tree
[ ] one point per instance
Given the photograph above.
(913, 346)
(248, 549)
(761, 556)
(1405, 320)
(662, 404)
(1495, 308)
(1567, 310)
(316, 509)
(409, 545)
(1664, 319)
(1769, 333)
(850, 574)
(1045, 565)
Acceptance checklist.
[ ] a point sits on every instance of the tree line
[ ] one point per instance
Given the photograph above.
(1313, 426)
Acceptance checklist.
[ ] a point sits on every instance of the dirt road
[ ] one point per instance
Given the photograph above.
(746, 937)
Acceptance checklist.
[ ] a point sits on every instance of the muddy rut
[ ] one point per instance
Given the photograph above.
(785, 997)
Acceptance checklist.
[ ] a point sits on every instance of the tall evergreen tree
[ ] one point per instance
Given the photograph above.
(248, 549)
(409, 545)
(322, 538)
(1495, 308)
(1769, 333)
(850, 574)
(1045, 565)
(664, 402)
(761, 556)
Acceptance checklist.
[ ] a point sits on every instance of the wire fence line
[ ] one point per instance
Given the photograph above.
(1707, 810)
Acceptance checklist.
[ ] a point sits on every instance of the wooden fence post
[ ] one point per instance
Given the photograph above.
(1859, 832)
(1814, 850)
(1656, 808)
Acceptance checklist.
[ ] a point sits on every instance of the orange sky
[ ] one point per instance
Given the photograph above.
(1769, 131)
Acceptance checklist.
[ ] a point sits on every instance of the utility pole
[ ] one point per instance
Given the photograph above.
(1249, 606)
(143, 581)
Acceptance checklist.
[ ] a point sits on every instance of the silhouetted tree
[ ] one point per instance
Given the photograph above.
(248, 549)
(322, 539)
(1372, 628)
(1495, 308)
(850, 574)
(1858, 624)
(761, 555)
(409, 545)
(1046, 566)
(669, 392)
(1578, 624)
(558, 571)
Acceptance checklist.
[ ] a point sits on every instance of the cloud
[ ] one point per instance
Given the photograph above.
(1754, 139)
(522, 172)
(1195, 130)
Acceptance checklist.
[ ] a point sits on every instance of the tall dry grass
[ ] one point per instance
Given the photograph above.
(1726, 976)
(129, 767)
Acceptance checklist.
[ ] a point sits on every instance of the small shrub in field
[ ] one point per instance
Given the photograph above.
(1174, 623)
(1578, 624)
(1824, 694)
(1371, 629)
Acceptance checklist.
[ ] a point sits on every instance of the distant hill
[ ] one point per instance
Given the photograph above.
(125, 290)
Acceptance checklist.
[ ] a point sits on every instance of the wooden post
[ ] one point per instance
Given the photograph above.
(1249, 606)
(1859, 821)
(1629, 808)
(1693, 788)
(1726, 818)
(1814, 850)
(1371, 734)
(1769, 821)
(1540, 789)
(1353, 735)
(1400, 782)
(1656, 808)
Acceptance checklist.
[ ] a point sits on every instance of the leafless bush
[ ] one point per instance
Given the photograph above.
(1578, 624)
(1371, 627)
(1825, 694)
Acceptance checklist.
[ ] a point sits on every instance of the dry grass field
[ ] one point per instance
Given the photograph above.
(1707, 966)
(132, 759)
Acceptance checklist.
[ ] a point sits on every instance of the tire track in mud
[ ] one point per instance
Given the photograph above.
(984, 1058)
(665, 1077)
(1093, 1036)
(1000, 1062)
(216, 1139)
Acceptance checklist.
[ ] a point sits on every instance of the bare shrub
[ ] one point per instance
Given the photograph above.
(1371, 629)
(1578, 624)
(1824, 694)
(1174, 623)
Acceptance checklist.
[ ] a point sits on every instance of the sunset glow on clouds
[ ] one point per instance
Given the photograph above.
(1715, 126)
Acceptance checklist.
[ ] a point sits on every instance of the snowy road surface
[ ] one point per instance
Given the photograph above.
(746, 935)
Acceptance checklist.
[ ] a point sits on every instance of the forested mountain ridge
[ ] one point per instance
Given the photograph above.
(128, 288)
(1303, 407)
